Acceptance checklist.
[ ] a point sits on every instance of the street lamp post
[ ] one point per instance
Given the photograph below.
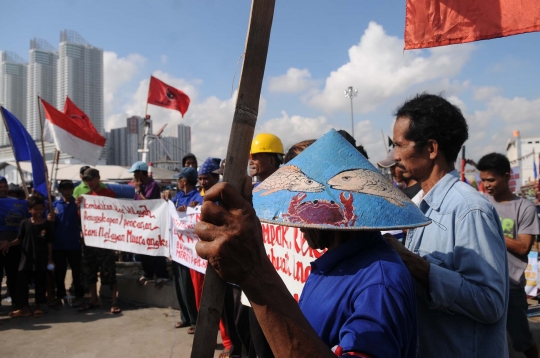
(350, 93)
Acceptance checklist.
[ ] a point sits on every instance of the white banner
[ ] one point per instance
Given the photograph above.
(136, 226)
(183, 238)
(290, 254)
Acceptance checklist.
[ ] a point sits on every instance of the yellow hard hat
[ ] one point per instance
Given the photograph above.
(266, 143)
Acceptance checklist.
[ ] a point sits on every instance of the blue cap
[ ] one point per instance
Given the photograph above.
(142, 166)
(330, 185)
(209, 165)
(187, 172)
(3, 179)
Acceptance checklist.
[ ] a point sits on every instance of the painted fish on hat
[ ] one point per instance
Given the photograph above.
(331, 185)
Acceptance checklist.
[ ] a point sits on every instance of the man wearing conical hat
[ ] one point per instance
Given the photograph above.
(359, 299)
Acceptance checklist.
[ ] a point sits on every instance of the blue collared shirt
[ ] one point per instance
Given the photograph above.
(67, 229)
(361, 297)
(185, 199)
(464, 312)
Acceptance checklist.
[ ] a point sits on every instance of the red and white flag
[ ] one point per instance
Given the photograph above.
(430, 23)
(71, 110)
(163, 95)
(73, 134)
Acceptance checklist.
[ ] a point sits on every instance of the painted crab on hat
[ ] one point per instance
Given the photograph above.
(332, 186)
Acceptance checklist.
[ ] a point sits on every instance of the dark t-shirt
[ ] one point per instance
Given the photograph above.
(34, 245)
(412, 190)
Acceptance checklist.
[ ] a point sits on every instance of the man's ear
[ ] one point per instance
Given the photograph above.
(433, 149)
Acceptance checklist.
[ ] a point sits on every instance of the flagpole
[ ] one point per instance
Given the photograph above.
(44, 161)
(16, 161)
(55, 175)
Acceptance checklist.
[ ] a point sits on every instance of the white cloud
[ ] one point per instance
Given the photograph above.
(117, 72)
(490, 128)
(293, 129)
(294, 81)
(484, 93)
(164, 59)
(379, 69)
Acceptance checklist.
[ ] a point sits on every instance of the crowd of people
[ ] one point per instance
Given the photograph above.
(434, 273)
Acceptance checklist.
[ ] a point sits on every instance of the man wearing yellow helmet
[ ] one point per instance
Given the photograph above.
(266, 156)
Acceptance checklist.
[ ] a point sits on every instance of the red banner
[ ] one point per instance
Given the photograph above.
(431, 23)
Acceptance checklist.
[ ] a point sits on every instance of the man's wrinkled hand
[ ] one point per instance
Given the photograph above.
(231, 235)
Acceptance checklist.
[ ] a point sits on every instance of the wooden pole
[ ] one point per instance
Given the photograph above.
(44, 161)
(243, 127)
(25, 188)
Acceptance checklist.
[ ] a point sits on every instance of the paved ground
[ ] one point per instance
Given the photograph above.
(139, 331)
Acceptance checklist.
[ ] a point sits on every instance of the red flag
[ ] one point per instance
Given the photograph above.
(71, 137)
(71, 110)
(431, 23)
(163, 95)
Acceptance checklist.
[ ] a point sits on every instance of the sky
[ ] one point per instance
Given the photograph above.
(317, 50)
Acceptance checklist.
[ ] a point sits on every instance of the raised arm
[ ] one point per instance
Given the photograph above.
(232, 243)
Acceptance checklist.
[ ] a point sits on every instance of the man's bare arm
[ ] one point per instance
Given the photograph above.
(521, 246)
(231, 241)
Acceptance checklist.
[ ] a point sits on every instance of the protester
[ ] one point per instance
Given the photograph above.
(520, 227)
(67, 246)
(187, 196)
(359, 298)
(207, 177)
(189, 160)
(266, 155)
(146, 189)
(9, 230)
(351, 140)
(403, 180)
(35, 238)
(82, 188)
(459, 261)
(97, 259)
(297, 149)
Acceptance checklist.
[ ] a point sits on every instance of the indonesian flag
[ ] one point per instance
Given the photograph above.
(73, 135)
(430, 23)
(163, 95)
(71, 110)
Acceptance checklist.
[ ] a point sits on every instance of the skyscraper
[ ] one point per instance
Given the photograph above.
(80, 76)
(13, 73)
(41, 81)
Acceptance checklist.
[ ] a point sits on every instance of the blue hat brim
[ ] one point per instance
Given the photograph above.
(331, 186)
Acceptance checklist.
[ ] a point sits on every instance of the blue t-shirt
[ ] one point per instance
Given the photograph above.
(185, 199)
(67, 226)
(360, 298)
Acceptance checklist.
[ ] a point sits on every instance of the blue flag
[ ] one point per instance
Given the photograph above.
(534, 168)
(12, 213)
(25, 148)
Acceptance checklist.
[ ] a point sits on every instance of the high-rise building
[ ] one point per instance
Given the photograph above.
(13, 74)
(117, 147)
(41, 81)
(80, 76)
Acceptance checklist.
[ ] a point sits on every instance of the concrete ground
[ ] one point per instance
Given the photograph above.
(139, 331)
